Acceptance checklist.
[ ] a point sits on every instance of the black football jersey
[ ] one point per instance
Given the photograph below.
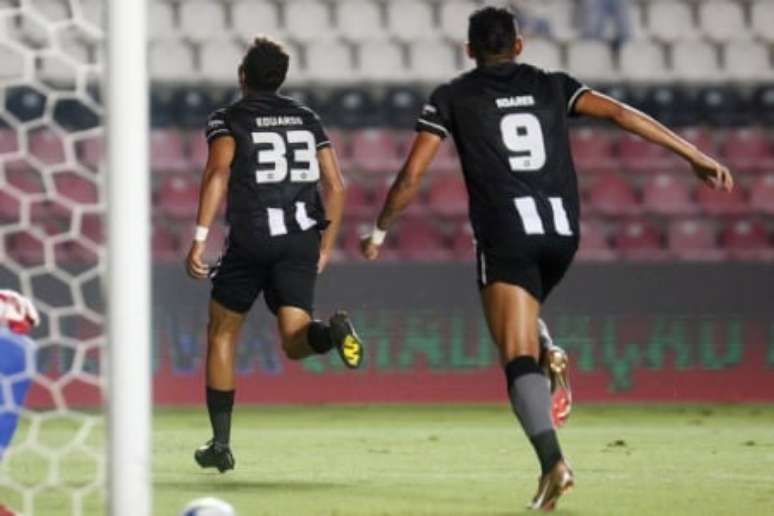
(272, 188)
(510, 125)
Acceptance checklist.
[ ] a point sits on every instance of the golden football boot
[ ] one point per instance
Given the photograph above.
(551, 486)
(556, 366)
(348, 344)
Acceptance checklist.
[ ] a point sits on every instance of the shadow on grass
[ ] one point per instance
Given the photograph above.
(208, 482)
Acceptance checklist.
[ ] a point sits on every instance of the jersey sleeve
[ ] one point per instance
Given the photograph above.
(320, 135)
(571, 89)
(217, 125)
(436, 114)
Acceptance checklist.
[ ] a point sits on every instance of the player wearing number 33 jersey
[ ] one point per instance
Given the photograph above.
(509, 122)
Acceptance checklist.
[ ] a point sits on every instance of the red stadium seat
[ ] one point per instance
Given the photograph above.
(639, 240)
(25, 249)
(762, 194)
(375, 151)
(594, 244)
(463, 245)
(359, 203)
(51, 216)
(8, 141)
(701, 138)
(448, 196)
(92, 228)
(748, 149)
(638, 154)
(420, 240)
(694, 240)
(593, 150)
(612, 195)
(24, 178)
(199, 149)
(178, 197)
(47, 146)
(720, 202)
(9, 208)
(667, 195)
(92, 152)
(165, 244)
(341, 145)
(76, 188)
(167, 151)
(747, 240)
(446, 161)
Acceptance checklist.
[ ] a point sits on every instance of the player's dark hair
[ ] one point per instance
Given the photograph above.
(265, 65)
(492, 32)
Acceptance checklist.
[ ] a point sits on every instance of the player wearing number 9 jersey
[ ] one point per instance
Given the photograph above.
(509, 122)
(269, 153)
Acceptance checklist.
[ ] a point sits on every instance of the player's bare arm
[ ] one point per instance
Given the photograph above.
(334, 195)
(706, 168)
(403, 190)
(213, 188)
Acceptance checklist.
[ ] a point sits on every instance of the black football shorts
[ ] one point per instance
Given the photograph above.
(283, 267)
(536, 263)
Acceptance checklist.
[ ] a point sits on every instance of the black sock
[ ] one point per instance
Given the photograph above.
(530, 398)
(219, 405)
(319, 337)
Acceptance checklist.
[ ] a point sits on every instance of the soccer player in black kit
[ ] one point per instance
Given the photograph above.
(509, 122)
(269, 153)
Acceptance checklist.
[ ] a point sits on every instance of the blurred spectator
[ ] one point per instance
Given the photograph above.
(597, 13)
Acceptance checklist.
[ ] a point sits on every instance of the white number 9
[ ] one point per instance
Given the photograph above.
(523, 136)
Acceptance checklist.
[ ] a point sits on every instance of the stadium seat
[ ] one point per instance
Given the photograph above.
(666, 195)
(341, 144)
(375, 150)
(671, 105)
(695, 61)
(432, 61)
(671, 21)
(722, 20)
(330, 63)
(762, 18)
(722, 105)
(720, 202)
(178, 197)
(591, 61)
(639, 240)
(558, 16)
(220, 60)
(200, 149)
(165, 244)
(418, 239)
(201, 20)
(594, 244)
(76, 188)
(167, 151)
(21, 176)
(192, 105)
(298, 67)
(25, 103)
(747, 61)
(410, 20)
(542, 53)
(694, 240)
(381, 62)
(748, 149)
(250, 18)
(644, 61)
(359, 202)
(448, 197)
(92, 227)
(454, 19)
(593, 149)
(747, 240)
(309, 21)
(47, 146)
(10, 208)
(352, 107)
(8, 141)
(762, 194)
(359, 21)
(161, 18)
(641, 155)
(92, 11)
(171, 60)
(51, 216)
(463, 245)
(701, 138)
(446, 159)
(612, 195)
(402, 105)
(25, 249)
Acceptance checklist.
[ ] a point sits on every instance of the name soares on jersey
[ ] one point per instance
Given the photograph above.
(520, 101)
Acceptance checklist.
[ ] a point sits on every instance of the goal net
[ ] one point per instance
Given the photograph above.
(51, 249)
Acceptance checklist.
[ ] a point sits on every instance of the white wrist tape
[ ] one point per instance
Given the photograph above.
(200, 234)
(378, 236)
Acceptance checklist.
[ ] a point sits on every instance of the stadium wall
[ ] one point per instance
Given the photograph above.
(650, 332)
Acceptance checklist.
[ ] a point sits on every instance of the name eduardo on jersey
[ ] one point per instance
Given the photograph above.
(273, 185)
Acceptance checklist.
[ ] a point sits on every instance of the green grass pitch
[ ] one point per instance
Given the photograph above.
(452, 459)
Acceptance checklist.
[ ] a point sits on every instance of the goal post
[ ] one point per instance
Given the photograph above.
(129, 262)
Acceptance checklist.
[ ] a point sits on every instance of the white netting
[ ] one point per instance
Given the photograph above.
(51, 208)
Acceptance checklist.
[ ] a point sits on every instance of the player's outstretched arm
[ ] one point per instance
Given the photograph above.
(335, 196)
(213, 188)
(706, 168)
(403, 190)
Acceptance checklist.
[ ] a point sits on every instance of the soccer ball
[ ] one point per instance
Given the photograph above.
(208, 507)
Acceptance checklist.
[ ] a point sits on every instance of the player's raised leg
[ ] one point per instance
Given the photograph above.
(512, 315)
(301, 336)
(222, 336)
